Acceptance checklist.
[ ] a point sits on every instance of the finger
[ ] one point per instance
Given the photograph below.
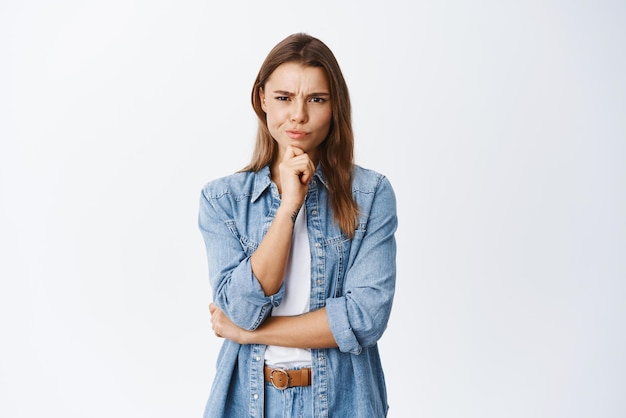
(299, 164)
(291, 152)
(307, 173)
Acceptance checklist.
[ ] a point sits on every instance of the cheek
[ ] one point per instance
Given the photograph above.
(272, 121)
(326, 119)
(273, 116)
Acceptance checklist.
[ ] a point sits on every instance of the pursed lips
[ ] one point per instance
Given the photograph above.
(295, 134)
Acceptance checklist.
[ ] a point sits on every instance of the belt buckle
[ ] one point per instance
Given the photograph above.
(283, 371)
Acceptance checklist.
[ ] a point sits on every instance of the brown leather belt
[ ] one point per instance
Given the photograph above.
(283, 379)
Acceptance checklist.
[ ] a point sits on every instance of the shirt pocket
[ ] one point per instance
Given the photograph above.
(248, 245)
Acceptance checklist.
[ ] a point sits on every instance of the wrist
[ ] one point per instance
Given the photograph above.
(245, 337)
(290, 212)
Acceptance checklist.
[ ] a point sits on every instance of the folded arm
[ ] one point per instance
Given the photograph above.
(309, 330)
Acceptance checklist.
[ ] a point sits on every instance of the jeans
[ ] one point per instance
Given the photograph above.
(295, 402)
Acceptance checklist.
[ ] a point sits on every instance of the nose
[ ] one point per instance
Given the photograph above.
(298, 112)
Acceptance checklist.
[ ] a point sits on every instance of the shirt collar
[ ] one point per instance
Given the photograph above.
(320, 175)
(263, 180)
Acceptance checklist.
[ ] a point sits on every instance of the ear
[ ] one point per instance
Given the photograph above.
(262, 98)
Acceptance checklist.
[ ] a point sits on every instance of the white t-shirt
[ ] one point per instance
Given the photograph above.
(297, 296)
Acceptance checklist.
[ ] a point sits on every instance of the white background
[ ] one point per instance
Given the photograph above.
(500, 124)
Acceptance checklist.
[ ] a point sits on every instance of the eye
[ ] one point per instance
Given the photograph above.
(282, 98)
(318, 100)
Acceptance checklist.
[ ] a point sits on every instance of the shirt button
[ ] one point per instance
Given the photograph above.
(256, 396)
(314, 212)
(317, 244)
(257, 358)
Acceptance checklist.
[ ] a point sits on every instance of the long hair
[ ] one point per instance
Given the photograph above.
(337, 150)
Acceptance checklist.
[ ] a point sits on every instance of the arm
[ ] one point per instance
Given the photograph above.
(270, 258)
(235, 289)
(359, 316)
(246, 278)
(310, 330)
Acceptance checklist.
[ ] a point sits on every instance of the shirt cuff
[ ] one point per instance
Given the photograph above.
(337, 314)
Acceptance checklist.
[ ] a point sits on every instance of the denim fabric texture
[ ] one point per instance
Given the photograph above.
(295, 402)
(353, 278)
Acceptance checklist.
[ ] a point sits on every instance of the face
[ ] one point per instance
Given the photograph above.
(296, 100)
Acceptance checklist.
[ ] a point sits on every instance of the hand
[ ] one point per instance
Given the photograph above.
(296, 171)
(223, 327)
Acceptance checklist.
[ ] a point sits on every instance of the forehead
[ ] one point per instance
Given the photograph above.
(295, 77)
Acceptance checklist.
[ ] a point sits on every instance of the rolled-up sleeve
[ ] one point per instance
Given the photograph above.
(359, 316)
(236, 290)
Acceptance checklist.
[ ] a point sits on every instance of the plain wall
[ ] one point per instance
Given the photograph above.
(501, 126)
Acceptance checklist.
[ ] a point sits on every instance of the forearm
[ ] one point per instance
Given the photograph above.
(270, 258)
(310, 330)
(292, 176)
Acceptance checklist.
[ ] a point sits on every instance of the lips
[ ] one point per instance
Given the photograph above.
(294, 134)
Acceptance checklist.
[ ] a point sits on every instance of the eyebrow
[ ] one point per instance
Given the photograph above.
(288, 93)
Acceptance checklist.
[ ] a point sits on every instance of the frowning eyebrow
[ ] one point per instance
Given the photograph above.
(290, 94)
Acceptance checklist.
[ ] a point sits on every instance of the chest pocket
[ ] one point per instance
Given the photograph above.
(247, 245)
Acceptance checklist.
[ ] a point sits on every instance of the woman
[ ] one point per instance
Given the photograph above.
(301, 253)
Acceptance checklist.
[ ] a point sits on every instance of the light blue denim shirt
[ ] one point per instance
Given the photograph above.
(354, 279)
